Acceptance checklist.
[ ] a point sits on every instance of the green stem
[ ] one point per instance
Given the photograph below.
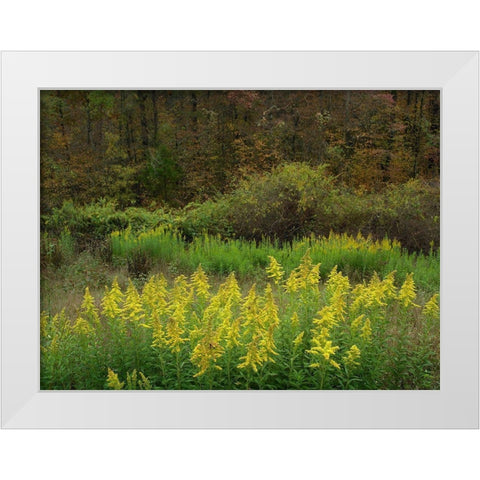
(177, 360)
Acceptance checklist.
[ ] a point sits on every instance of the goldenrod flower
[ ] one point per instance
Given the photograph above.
(366, 330)
(293, 282)
(326, 349)
(175, 328)
(132, 380)
(275, 270)
(431, 308)
(206, 352)
(233, 290)
(259, 329)
(112, 300)
(374, 294)
(113, 382)
(389, 285)
(352, 356)
(88, 309)
(313, 276)
(181, 292)
(158, 334)
(250, 307)
(355, 325)
(232, 333)
(133, 308)
(43, 324)
(144, 382)
(306, 275)
(82, 327)
(254, 357)
(154, 295)
(294, 320)
(407, 291)
(334, 364)
(200, 283)
(326, 317)
(337, 283)
(298, 339)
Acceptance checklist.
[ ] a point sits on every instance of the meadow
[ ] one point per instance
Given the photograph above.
(336, 312)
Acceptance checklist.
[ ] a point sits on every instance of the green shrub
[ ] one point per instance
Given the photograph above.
(91, 224)
(296, 200)
(291, 201)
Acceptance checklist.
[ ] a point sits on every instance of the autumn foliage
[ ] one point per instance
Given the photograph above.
(174, 147)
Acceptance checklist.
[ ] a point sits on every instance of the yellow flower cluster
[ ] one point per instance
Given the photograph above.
(275, 270)
(352, 357)
(431, 308)
(259, 328)
(113, 381)
(407, 292)
(133, 381)
(191, 323)
(305, 276)
(200, 283)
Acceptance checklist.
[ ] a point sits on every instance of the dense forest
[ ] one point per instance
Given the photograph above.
(174, 147)
(240, 239)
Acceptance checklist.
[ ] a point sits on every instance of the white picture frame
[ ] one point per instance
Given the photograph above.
(455, 405)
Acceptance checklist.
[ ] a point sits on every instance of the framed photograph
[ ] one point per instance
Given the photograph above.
(240, 240)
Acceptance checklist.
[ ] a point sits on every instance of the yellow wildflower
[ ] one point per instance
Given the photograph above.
(313, 276)
(232, 333)
(294, 320)
(206, 352)
(275, 270)
(389, 285)
(135, 383)
(431, 308)
(337, 283)
(306, 275)
(355, 325)
(366, 330)
(326, 317)
(175, 328)
(298, 339)
(352, 356)
(43, 324)
(407, 291)
(88, 309)
(144, 382)
(324, 349)
(82, 327)
(254, 356)
(113, 382)
(133, 308)
(158, 333)
(112, 300)
(293, 282)
(334, 364)
(154, 295)
(200, 283)
(250, 307)
(233, 290)
(181, 292)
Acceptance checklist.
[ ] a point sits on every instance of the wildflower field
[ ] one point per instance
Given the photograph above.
(294, 327)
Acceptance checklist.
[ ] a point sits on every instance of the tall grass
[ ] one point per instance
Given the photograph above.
(358, 257)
